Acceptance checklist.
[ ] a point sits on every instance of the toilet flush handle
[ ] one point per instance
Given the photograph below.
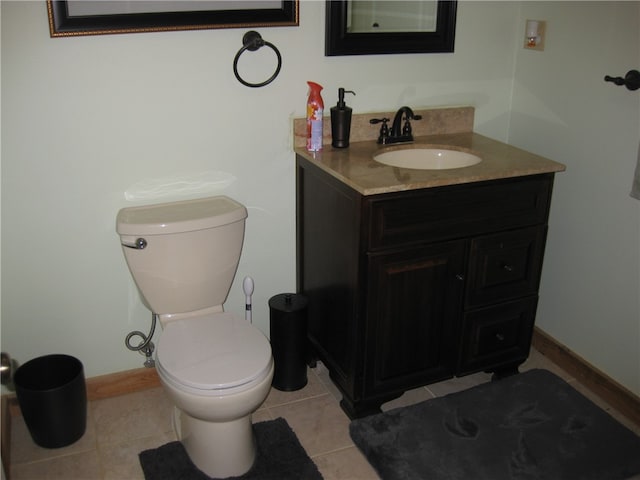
(139, 244)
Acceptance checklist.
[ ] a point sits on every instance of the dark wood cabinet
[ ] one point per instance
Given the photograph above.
(410, 288)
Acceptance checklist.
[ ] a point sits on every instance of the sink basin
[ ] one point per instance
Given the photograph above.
(427, 158)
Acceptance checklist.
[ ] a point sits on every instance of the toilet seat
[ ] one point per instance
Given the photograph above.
(216, 354)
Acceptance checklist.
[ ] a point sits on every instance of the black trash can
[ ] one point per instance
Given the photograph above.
(53, 398)
(288, 331)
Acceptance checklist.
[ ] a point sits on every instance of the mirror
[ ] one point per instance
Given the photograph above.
(369, 27)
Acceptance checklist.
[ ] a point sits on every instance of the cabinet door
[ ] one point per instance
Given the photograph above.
(414, 311)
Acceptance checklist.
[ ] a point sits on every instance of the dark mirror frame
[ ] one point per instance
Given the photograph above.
(61, 24)
(339, 42)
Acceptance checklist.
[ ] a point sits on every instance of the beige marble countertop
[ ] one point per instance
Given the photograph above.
(356, 167)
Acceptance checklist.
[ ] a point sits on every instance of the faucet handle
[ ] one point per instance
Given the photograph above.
(384, 128)
(373, 121)
(406, 128)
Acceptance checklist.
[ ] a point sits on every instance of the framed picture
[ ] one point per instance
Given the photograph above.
(101, 17)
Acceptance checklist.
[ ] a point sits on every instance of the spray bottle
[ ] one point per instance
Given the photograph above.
(315, 110)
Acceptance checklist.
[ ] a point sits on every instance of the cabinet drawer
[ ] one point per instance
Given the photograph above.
(505, 265)
(434, 214)
(498, 335)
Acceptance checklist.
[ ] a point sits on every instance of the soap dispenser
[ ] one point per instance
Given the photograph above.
(341, 121)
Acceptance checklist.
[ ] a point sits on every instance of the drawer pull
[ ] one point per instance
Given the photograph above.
(500, 337)
(459, 276)
(508, 268)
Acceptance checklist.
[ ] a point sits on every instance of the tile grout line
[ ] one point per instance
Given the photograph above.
(292, 402)
(331, 452)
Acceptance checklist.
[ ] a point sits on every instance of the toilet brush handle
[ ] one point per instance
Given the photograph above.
(247, 286)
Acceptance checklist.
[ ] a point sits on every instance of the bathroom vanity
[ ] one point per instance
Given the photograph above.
(416, 276)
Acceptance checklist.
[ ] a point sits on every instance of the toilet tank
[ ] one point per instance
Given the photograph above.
(190, 255)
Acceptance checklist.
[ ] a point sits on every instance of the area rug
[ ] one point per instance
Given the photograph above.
(280, 457)
(529, 426)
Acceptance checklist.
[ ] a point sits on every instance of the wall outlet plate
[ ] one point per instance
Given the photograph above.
(538, 42)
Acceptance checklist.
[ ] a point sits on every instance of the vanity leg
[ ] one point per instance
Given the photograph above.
(365, 408)
(358, 410)
(505, 371)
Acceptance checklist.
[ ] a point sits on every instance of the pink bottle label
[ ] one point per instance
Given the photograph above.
(314, 141)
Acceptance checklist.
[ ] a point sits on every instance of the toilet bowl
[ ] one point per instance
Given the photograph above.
(216, 367)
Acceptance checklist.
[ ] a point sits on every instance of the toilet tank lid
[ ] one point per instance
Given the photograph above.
(182, 216)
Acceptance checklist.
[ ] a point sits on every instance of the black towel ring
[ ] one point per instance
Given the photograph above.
(252, 41)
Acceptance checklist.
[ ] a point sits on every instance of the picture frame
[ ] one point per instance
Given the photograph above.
(69, 18)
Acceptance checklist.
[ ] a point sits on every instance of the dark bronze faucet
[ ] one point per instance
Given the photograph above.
(400, 132)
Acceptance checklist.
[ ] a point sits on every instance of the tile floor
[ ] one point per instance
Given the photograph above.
(119, 428)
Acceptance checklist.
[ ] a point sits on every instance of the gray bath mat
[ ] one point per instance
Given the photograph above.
(531, 426)
(280, 457)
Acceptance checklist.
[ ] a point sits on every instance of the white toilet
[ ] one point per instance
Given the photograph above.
(216, 367)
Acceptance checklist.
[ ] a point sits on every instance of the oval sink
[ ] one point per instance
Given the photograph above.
(427, 158)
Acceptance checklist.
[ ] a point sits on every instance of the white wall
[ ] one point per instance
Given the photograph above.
(563, 109)
(85, 119)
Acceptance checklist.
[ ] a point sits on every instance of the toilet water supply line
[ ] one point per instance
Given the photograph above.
(146, 347)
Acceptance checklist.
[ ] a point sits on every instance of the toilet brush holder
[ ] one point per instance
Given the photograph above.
(288, 332)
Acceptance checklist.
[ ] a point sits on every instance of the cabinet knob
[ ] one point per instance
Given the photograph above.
(459, 276)
(507, 268)
(499, 337)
